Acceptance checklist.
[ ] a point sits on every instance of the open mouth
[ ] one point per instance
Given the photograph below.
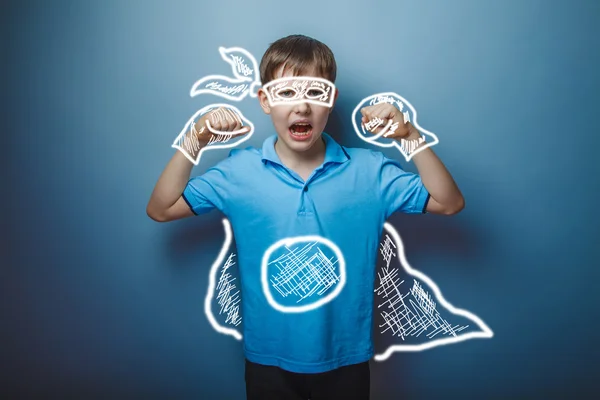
(301, 130)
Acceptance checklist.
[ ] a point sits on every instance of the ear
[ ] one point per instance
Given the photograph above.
(337, 92)
(264, 101)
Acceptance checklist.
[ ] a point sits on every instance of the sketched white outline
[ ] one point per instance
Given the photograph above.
(238, 79)
(228, 293)
(226, 145)
(485, 332)
(394, 142)
(273, 103)
(225, 56)
(212, 278)
(288, 242)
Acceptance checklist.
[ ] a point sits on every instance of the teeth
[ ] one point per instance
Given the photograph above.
(308, 132)
(301, 133)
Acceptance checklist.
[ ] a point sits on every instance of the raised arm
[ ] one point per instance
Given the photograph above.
(166, 202)
(445, 197)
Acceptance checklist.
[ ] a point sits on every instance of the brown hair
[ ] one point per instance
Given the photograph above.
(298, 53)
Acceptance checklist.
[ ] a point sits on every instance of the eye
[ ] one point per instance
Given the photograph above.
(286, 93)
(314, 93)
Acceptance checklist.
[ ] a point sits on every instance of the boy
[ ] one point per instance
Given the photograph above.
(302, 182)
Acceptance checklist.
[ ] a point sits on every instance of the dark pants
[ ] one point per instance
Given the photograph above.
(265, 382)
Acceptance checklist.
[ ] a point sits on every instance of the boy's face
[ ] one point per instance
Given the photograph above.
(299, 107)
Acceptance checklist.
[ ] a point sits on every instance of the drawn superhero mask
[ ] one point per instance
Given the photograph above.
(299, 89)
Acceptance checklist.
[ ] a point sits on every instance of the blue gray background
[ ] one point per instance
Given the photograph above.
(97, 300)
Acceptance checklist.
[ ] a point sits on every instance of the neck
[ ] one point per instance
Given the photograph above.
(293, 159)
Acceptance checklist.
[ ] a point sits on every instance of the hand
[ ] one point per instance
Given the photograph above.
(219, 125)
(386, 119)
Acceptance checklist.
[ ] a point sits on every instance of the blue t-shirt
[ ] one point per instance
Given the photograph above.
(307, 251)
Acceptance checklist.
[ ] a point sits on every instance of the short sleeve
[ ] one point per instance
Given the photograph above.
(400, 190)
(210, 190)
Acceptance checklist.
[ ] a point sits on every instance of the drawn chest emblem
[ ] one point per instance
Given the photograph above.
(302, 273)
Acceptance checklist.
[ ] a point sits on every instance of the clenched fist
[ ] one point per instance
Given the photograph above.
(386, 120)
(219, 125)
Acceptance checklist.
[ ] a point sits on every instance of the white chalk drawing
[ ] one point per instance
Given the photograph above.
(245, 80)
(187, 141)
(409, 146)
(374, 123)
(399, 102)
(304, 271)
(410, 311)
(228, 294)
(300, 89)
(222, 288)
(224, 114)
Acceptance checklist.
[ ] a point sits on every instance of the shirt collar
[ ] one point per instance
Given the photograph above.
(333, 151)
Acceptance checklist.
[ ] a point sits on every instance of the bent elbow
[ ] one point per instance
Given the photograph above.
(155, 216)
(456, 208)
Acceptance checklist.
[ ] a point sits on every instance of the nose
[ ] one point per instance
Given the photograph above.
(302, 108)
